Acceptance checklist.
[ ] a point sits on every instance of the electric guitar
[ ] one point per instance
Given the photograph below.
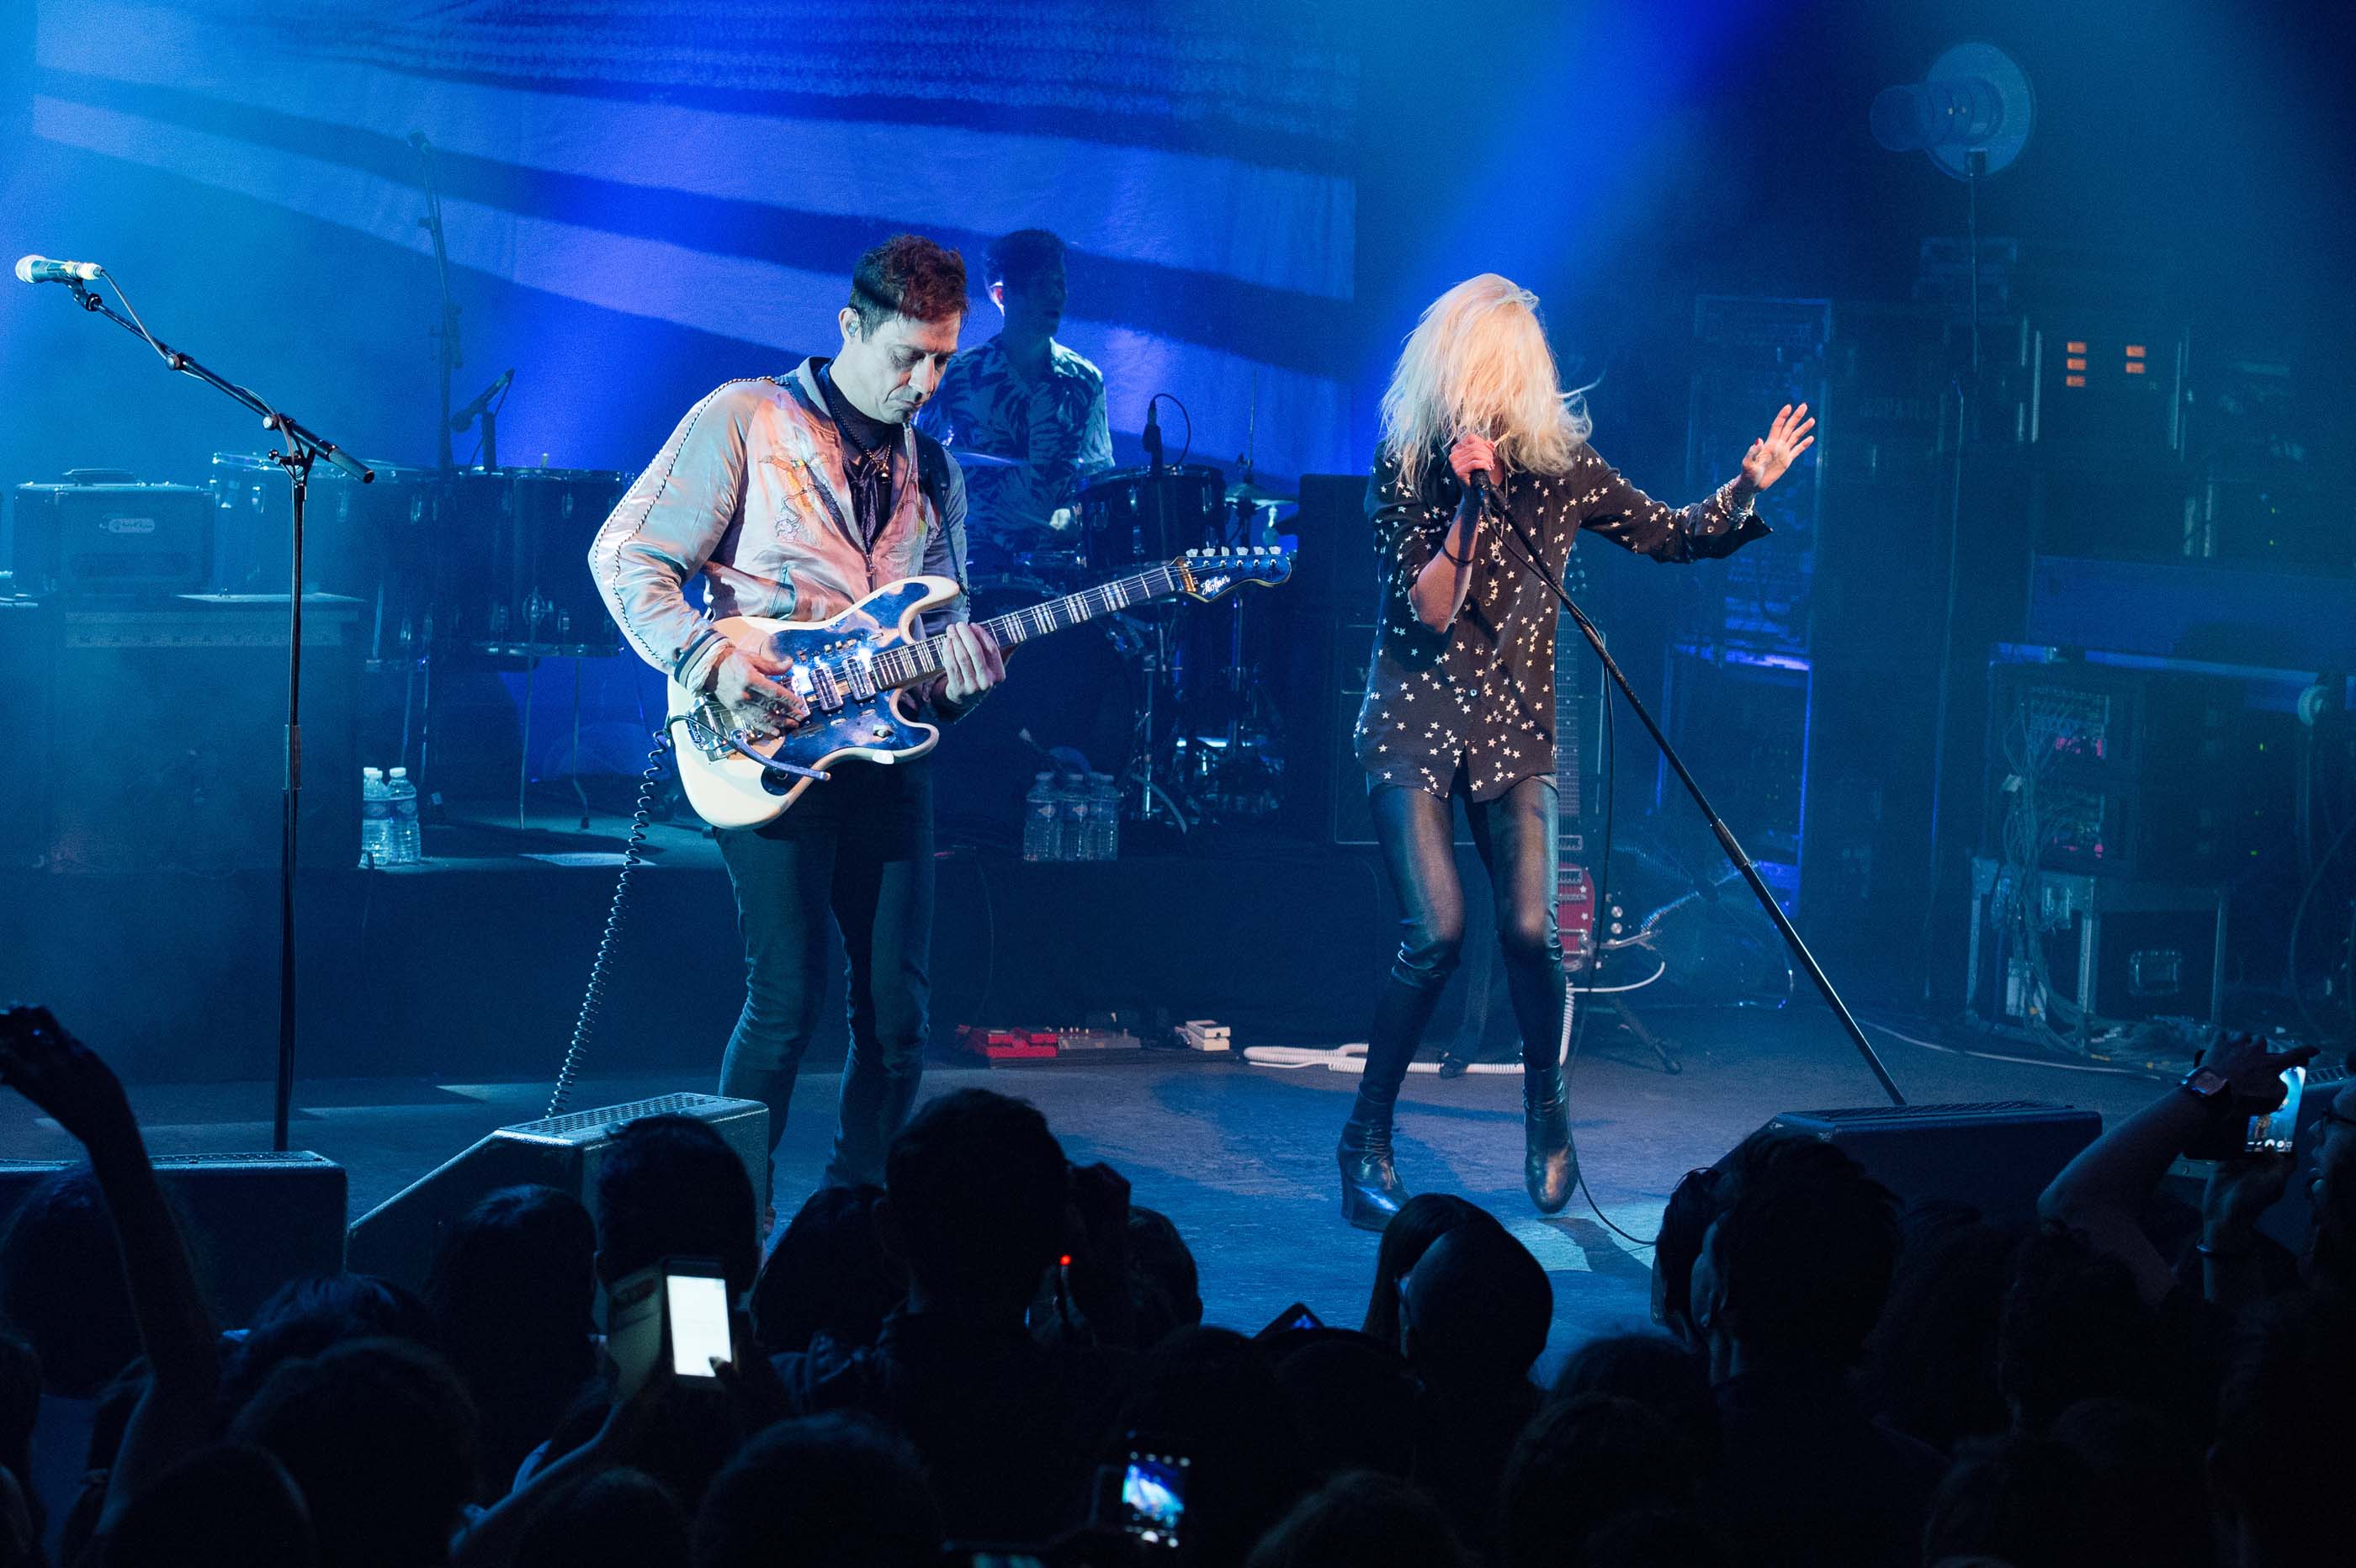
(851, 670)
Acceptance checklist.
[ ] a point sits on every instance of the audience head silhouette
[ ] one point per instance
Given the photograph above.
(975, 1189)
(671, 1188)
(380, 1437)
(1475, 1308)
(827, 1491)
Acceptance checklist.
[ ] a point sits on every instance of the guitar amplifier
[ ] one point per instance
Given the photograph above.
(200, 786)
(83, 539)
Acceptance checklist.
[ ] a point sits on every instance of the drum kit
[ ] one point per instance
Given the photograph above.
(473, 565)
(1166, 699)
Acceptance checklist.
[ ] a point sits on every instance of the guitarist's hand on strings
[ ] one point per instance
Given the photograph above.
(745, 682)
(971, 663)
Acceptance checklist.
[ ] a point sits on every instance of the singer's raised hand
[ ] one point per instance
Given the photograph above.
(1473, 452)
(1784, 440)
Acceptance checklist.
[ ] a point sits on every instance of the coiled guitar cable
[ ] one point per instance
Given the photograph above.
(592, 996)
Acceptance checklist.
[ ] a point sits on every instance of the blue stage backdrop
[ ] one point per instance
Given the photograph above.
(644, 197)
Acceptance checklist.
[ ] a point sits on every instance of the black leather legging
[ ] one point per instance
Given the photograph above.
(1514, 836)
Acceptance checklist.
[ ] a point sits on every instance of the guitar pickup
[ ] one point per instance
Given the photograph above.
(860, 673)
(817, 688)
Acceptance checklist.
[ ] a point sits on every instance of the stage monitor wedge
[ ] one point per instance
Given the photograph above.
(252, 1222)
(398, 1239)
(1997, 1156)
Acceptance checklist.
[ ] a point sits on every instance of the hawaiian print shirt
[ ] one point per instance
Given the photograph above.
(1054, 426)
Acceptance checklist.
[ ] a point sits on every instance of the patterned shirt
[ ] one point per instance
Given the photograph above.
(1480, 696)
(1055, 426)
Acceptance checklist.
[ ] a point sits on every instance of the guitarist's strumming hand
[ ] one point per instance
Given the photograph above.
(745, 682)
(971, 664)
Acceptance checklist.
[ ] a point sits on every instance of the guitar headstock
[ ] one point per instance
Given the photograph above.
(1209, 572)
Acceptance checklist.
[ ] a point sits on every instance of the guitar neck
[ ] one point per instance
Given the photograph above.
(925, 658)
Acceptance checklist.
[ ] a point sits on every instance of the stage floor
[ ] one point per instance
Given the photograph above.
(1241, 1156)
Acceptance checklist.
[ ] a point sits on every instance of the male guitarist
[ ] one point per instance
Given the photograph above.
(793, 497)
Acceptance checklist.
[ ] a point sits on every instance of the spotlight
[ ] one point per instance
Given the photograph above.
(1971, 112)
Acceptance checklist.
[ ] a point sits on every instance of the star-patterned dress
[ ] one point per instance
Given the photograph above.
(1478, 699)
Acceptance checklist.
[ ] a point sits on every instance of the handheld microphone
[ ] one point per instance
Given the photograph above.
(1482, 488)
(41, 269)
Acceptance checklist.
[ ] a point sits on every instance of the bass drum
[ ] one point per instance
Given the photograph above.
(1078, 688)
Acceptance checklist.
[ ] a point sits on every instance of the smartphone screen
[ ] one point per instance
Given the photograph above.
(2274, 1132)
(1153, 1497)
(1296, 1315)
(698, 1304)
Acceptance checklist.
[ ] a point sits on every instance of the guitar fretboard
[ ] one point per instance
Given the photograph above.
(918, 660)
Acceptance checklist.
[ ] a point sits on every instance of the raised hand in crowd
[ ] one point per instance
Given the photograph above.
(67, 1080)
(2106, 1189)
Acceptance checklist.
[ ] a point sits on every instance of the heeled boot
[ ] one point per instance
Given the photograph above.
(1549, 1167)
(1371, 1189)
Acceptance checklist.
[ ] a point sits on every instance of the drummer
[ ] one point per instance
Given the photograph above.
(1022, 396)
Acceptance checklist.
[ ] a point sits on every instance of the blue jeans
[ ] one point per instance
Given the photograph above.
(1515, 837)
(856, 853)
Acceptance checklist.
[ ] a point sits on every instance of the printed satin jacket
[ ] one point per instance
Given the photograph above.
(749, 492)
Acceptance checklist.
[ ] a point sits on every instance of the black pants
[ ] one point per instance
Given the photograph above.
(857, 853)
(1515, 837)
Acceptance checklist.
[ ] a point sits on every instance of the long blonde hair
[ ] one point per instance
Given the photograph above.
(1478, 362)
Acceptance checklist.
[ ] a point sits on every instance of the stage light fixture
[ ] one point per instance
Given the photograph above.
(1971, 114)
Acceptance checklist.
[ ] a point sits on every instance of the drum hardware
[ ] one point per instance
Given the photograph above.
(966, 458)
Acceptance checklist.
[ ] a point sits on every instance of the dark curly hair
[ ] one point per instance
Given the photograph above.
(907, 275)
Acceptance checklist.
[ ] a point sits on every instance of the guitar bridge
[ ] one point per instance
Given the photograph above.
(707, 733)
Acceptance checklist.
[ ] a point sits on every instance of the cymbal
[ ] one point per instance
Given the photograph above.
(966, 459)
(1259, 495)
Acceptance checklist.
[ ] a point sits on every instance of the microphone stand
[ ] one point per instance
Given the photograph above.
(1525, 553)
(302, 447)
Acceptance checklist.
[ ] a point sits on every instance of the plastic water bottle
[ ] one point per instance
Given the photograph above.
(1079, 818)
(376, 819)
(407, 848)
(1104, 808)
(1040, 820)
(1080, 843)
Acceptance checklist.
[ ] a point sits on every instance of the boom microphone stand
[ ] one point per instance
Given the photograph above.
(1527, 555)
(302, 447)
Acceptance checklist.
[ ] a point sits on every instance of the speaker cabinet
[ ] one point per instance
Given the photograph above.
(252, 1222)
(398, 1237)
(198, 785)
(1997, 1156)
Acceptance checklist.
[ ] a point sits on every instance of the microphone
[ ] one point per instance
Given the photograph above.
(1481, 487)
(41, 269)
(465, 416)
(417, 140)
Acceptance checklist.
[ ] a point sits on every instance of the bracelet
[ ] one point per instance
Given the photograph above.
(1459, 559)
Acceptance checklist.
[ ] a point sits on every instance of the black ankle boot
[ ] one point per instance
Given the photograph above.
(1549, 1169)
(1371, 1189)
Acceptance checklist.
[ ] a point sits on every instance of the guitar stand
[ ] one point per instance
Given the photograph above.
(1634, 1024)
